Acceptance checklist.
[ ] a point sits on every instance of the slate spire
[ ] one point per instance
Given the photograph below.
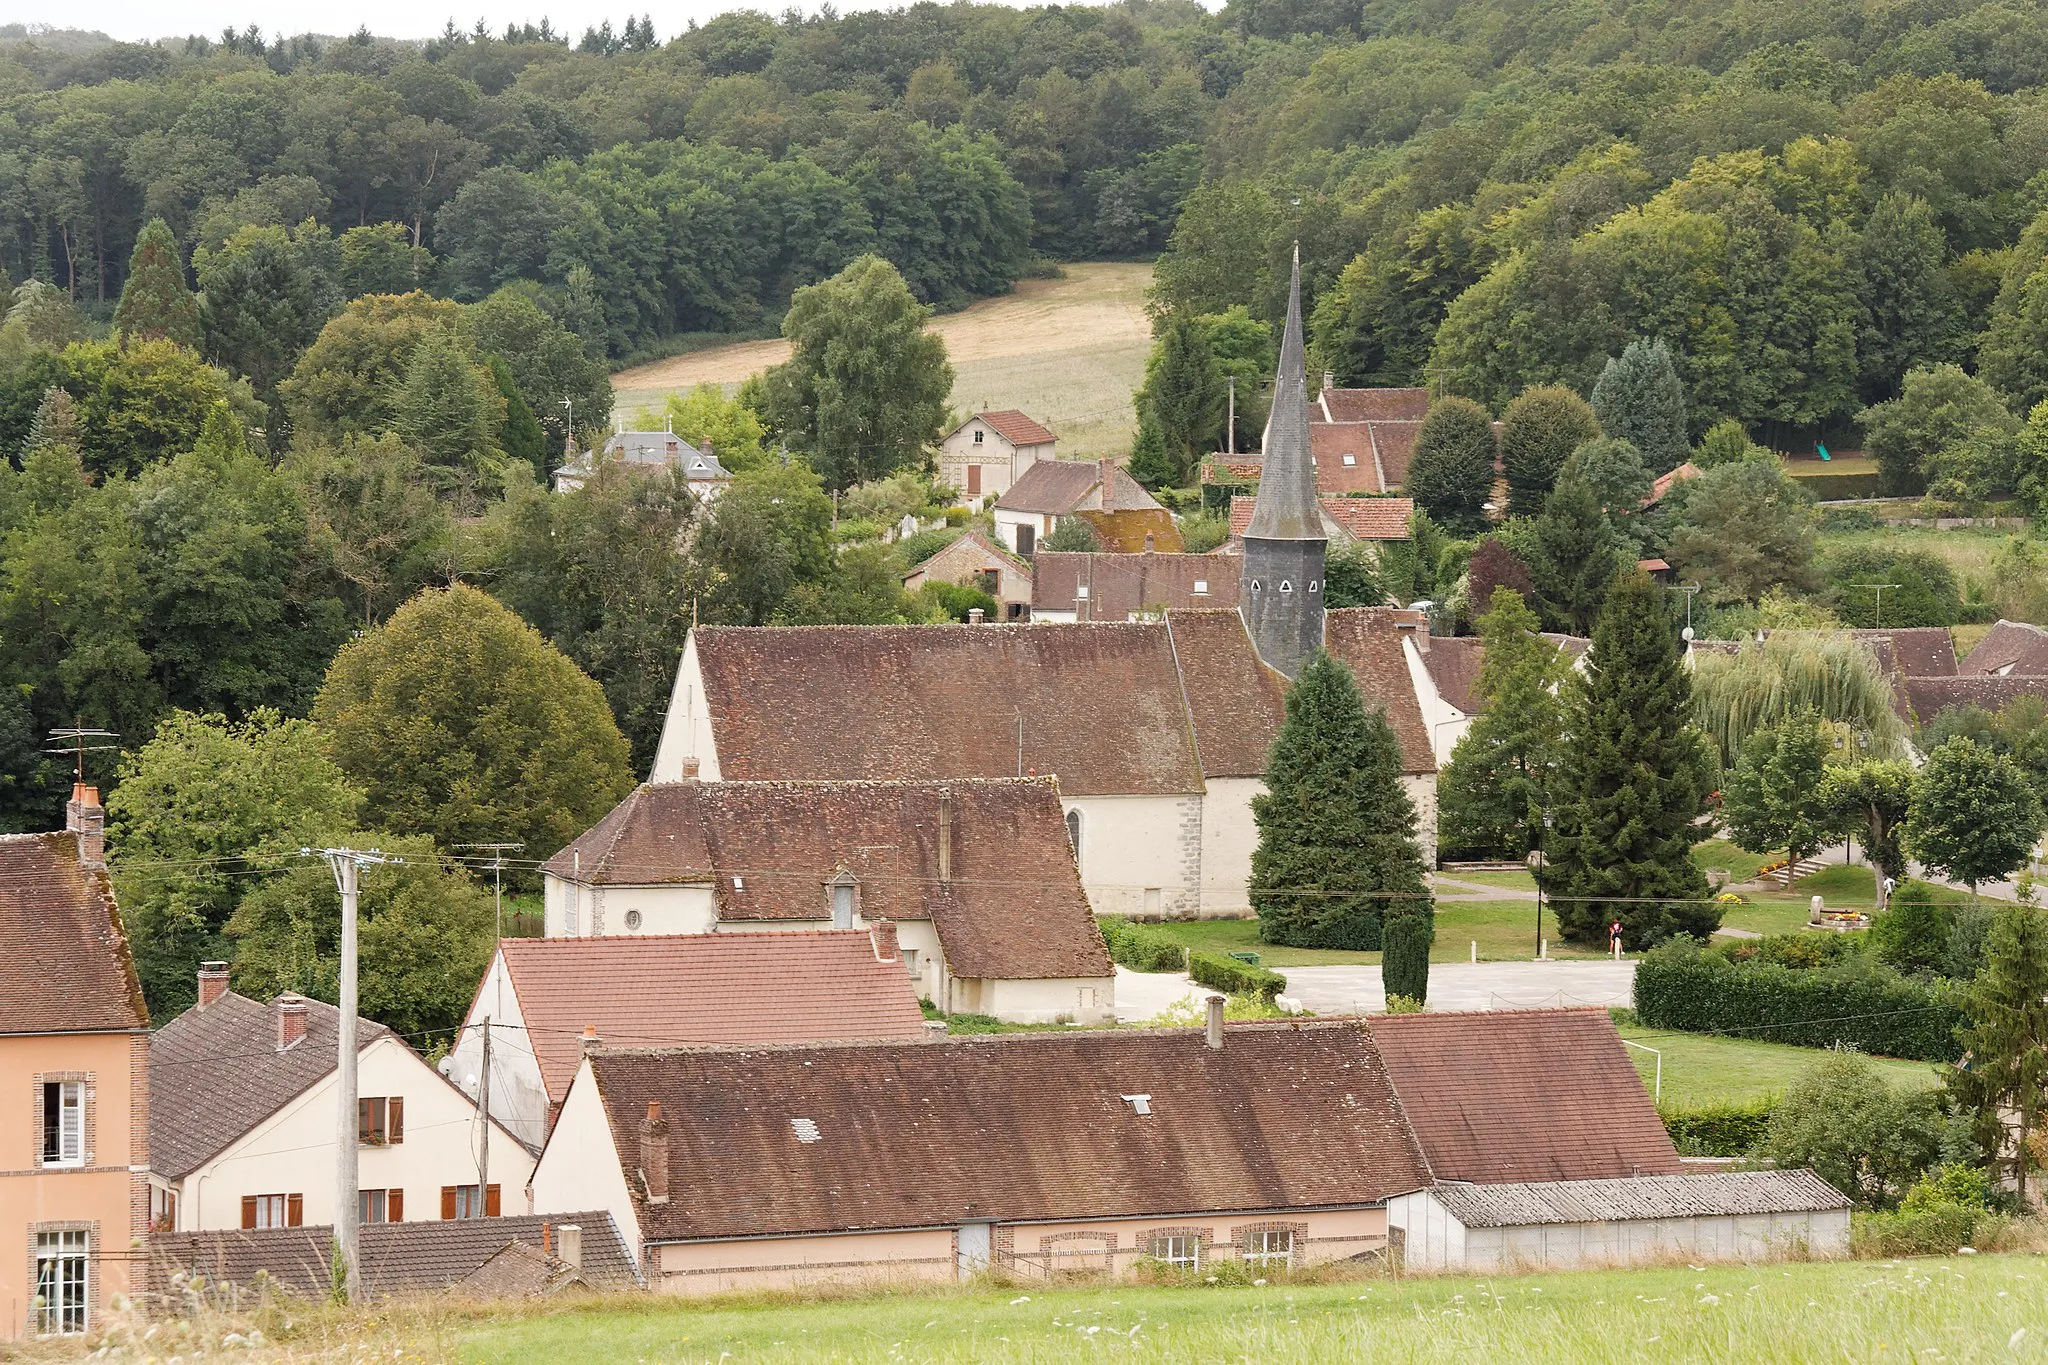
(1284, 547)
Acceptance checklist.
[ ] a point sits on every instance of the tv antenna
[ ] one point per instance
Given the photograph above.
(72, 740)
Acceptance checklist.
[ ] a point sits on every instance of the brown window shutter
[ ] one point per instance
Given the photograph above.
(394, 1119)
(491, 1202)
(397, 1214)
(294, 1210)
(447, 1201)
(362, 1120)
(248, 1210)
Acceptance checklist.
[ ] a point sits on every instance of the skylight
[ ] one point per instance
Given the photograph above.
(806, 1130)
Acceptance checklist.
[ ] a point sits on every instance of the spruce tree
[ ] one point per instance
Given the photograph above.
(1337, 851)
(1451, 475)
(1537, 431)
(1573, 558)
(521, 437)
(448, 408)
(1492, 794)
(2005, 1068)
(1639, 399)
(1632, 785)
(154, 301)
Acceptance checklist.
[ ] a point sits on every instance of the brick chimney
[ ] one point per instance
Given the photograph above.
(882, 933)
(654, 1154)
(591, 1042)
(570, 1252)
(1216, 1022)
(84, 817)
(291, 1020)
(213, 982)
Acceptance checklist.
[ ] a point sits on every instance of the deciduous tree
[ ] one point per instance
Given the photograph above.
(1774, 798)
(1451, 475)
(1539, 429)
(1974, 815)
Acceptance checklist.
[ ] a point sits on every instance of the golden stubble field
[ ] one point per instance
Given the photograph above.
(1070, 352)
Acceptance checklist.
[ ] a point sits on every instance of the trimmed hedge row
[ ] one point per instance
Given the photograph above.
(1232, 977)
(1697, 992)
(1839, 487)
(1141, 949)
(1723, 1130)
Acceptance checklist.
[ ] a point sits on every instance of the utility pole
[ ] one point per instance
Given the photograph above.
(1230, 428)
(483, 1104)
(497, 852)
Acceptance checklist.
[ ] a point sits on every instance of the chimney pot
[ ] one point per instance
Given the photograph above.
(571, 1251)
(654, 1154)
(691, 767)
(882, 933)
(291, 1021)
(1216, 1022)
(213, 982)
(975, 616)
(547, 1247)
(591, 1042)
(86, 818)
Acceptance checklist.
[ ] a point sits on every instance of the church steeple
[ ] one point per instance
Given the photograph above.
(1284, 547)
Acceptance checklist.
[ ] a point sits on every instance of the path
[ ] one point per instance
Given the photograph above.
(1452, 986)
(1479, 891)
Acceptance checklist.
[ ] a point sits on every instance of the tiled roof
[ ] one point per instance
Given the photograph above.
(2010, 647)
(1343, 455)
(974, 544)
(1235, 701)
(671, 989)
(1291, 1115)
(1522, 1095)
(1653, 566)
(1014, 909)
(1136, 529)
(1014, 427)
(1064, 486)
(1929, 697)
(1367, 640)
(1661, 486)
(1363, 405)
(396, 1258)
(1120, 585)
(1915, 651)
(910, 702)
(1719, 1194)
(64, 964)
(1359, 518)
(215, 1073)
(1453, 663)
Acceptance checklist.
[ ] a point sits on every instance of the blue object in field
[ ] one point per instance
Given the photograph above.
(1823, 451)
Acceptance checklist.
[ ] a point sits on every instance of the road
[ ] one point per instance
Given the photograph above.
(1452, 986)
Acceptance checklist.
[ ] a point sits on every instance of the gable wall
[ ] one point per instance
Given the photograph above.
(519, 1097)
(580, 1169)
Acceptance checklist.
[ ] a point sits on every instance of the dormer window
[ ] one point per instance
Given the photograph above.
(844, 891)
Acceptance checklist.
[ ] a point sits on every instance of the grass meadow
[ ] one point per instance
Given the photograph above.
(1703, 1071)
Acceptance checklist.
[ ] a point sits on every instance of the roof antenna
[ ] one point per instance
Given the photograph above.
(71, 739)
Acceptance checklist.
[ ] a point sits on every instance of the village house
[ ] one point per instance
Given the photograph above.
(242, 1117)
(1445, 670)
(648, 452)
(542, 998)
(975, 561)
(972, 884)
(1346, 521)
(1275, 1146)
(1124, 516)
(74, 1044)
(2008, 649)
(990, 451)
(1086, 586)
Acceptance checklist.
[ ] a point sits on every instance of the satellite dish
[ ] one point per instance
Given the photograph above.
(445, 1065)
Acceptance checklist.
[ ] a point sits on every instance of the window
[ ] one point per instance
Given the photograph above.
(1027, 540)
(977, 435)
(1287, 585)
(163, 1209)
(63, 1123)
(909, 956)
(1181, 1250)
(273, 1210)
(569, 912)
(1269, 1249)
(461, 1201)
(380, 1206)
(61, 1268)
(381, 1121)
(1350, 459)
(844, 891)
(1074, 832)
(1201, 587)
(633, 921)
(1081, 592)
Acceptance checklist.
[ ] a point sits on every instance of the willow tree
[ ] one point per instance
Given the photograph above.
(1833, 676)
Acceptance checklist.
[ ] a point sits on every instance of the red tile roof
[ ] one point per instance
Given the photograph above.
(673, 989)
(1235, 702)
(1453, 664)
(2010, 647)
(64, 964)
(1929, 697)
(1014, 909)
(1121, 585)
(1014, 427)
(1661, 486)
(1360, 518)
(1374, 448)
(1518, 1095)
(1915, 651)
(1360, 405)
(1011, 1128)
(1056, 486)
(1367, 640)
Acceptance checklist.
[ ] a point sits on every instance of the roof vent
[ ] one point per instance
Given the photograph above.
(1140, 1104)
(806, 1130)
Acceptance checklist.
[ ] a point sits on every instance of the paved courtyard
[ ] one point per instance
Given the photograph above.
(1452, 986)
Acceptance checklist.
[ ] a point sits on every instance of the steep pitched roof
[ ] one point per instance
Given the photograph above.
(1286, 504)
(1236, 702)
(2010, 647)
(1013, 909)
(64, 963)
(1344, 461)
(1016, 428)
(1453, 664)
(1522, 1095)
(1714, 1194)
(1133, 530)
(1013, 1127)
(1362, 405)
(1120, 585)
(1912, 651)
(915, 702)
(1359, 518)
(672, 989)
(1055, 486)
(973, 544)
(1367, 640)
(396, 1258)
(215, 1074)
(1929, 697)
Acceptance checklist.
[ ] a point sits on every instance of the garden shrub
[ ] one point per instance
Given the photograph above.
(1404, 966)
(1227, 974)
(1937, 1231)
(1720, 1130)
(1141, 949)
(1871, 1140)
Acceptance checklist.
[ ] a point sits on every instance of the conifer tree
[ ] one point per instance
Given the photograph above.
(1537, 431)
(1492, 793)
(448, 408)
(1451, 475)
(1404, 964)
(154, 301)
(521, 437)
(1185, 393)
(55, 424)
(1632, 785)
(1574, 557)
(1639, 399)
(2005, 1067)
(1337, 852)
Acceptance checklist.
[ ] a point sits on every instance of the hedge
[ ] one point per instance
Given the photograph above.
(1927, 1232)
(1227, 974)
(1840, 487)
(1141, 949)
(1886, 1015)
(1723, 1130)
(1404, 966)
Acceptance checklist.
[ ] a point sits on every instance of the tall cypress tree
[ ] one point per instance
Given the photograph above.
(2006, 1072)
(521, 437)
(1337, 854)
(1492, 793)
(155, 301)
(1639, 399)
(1634, 782)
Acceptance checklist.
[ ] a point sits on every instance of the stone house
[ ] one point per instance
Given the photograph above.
(74, 1061)
(1125, 517)
(649, 452)
(990, 451)
(973, 560)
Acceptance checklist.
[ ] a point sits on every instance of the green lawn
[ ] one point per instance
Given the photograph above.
(1520, 881)
(1702, 1071)
(1504, 930)
(1983, 1308)
(1968, 550)
(1740, 864)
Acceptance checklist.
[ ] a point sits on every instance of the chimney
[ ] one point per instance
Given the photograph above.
(654, 1154)
(591, 1042)
(547, 1248)
(691, 768)
(882, 933)
(1216, 1022)
(84, 817)
(975, 616)
(571, 1249)
(213, 982)
(1418, 631)
(946, 837)
(291, 1020)
(1329, 381)
(1149, 547)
